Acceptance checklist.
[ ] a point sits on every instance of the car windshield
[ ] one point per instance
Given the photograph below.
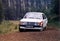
(33, 15)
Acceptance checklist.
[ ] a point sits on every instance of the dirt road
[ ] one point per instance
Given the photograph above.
(48, 35)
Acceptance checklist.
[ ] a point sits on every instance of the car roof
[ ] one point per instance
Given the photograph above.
(35, 13)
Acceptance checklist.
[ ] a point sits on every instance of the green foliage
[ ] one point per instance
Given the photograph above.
(1, 16)
(55, 24)
(7, 27)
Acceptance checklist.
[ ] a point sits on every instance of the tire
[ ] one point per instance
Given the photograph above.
(44, 29)
(41, 29)
(20, 29)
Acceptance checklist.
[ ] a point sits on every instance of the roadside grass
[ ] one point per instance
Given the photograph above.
(12, 26)
(7, 27)
(54, 24)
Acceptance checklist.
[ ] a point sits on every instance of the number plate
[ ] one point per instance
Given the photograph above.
(29, 26)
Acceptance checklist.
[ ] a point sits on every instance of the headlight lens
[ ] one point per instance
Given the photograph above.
(41, 23)
(36, 23)
(23, 23)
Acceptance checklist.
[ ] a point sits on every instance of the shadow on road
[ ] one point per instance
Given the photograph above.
(48, 29)
(31, 30)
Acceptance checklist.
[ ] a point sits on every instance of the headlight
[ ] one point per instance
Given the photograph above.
(23, 23)
(36, 23)
(41, 23)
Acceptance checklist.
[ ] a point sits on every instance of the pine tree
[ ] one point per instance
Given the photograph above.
(1, 15)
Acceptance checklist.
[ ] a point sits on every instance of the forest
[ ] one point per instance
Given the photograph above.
(16, 9)
(11, 11)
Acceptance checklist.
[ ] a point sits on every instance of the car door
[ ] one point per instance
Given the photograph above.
(44, 20)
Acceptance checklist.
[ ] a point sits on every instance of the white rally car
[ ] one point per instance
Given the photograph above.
(33, 20)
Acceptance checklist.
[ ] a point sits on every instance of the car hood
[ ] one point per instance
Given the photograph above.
(31, 20)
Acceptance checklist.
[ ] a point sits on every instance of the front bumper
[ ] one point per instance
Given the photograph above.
(34, 27)
(30, 28)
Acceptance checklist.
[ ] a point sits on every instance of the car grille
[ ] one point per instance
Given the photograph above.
(30, 23)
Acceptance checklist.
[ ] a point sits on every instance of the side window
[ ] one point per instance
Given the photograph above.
(44, 16)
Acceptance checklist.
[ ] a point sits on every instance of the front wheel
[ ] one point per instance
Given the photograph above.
(20, 29)
(41, 29)
(44, 28)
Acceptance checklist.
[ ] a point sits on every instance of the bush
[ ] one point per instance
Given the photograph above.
(7, 27)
